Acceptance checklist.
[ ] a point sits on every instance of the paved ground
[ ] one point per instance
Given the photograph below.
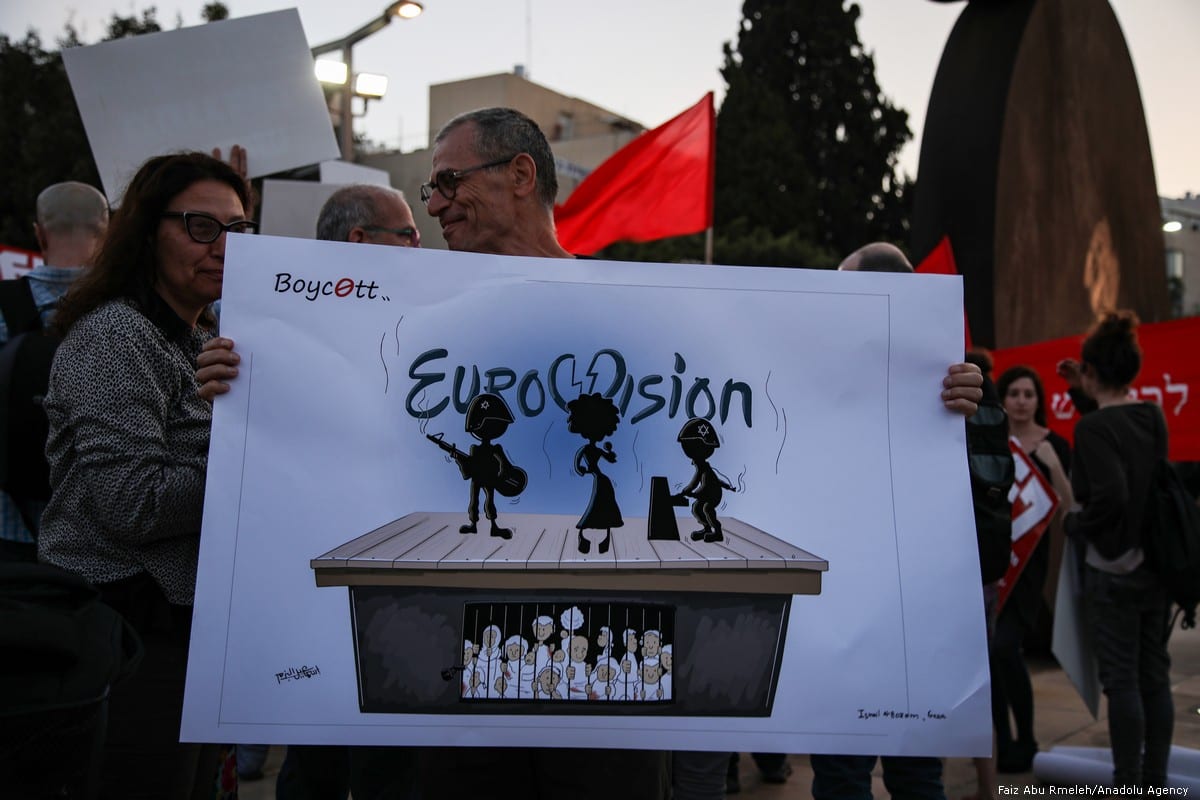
(1061, 719)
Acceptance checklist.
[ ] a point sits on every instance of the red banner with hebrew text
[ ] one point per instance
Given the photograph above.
(1170, 368)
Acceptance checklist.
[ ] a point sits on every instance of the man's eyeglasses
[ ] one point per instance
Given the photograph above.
(446, 182)
(205, 228)
(410, 233)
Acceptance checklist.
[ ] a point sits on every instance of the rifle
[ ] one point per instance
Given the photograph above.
(509, 480)
(459, 456)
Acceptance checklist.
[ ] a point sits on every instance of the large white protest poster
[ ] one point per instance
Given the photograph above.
(839, 609)
(246, 81)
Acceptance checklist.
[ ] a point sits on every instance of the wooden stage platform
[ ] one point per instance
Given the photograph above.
(426, 549)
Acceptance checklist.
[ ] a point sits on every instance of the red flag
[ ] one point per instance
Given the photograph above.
(658, 185)
(940, 261)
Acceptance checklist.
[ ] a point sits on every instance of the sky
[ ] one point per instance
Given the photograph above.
(650, 59)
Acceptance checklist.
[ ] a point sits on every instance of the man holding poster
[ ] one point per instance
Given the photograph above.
(492, 191)
(403, 350)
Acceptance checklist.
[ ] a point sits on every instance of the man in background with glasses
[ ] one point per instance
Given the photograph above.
(368, 213)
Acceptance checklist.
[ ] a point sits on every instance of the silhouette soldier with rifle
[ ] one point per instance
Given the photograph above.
(486, 465)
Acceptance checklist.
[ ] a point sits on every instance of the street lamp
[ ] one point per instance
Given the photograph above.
(405, 9)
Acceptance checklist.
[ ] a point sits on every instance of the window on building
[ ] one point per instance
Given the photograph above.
(1176, 288)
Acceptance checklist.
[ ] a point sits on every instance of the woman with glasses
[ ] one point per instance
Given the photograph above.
(128, 446)
(1116, 448)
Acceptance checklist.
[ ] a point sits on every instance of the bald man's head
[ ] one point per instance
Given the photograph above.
(876, 257)
(364, 212)
(71, 220)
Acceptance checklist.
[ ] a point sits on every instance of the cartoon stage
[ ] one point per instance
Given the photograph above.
(532, 619)
(420, 591)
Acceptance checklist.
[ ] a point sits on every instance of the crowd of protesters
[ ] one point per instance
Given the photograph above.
(130, 408)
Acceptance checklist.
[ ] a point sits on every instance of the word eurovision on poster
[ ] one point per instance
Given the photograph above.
(430, 396)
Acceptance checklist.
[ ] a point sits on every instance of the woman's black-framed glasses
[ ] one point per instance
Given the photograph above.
(204, 228)
(446, 182)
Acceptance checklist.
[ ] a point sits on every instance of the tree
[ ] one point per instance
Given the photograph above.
(214, 12)
(120, 27)
(736, 243)
(806, 142)
(41, 133)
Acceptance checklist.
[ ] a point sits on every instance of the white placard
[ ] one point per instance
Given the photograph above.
(291, 208)
(1070, 641)
(338, 171)
(839, 445)
(246, 81)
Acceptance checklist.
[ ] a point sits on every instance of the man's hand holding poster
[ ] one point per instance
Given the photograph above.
(664, 506)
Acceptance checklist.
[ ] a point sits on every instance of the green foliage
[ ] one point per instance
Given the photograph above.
(806, 142)
(41, 133)
(734, 244)
(214, 12)
(120, 27)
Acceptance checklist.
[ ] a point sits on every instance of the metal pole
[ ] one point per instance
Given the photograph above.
(345, 113)
(346, 110)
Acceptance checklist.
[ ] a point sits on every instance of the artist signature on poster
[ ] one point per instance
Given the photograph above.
(890, 713)
(296, 673)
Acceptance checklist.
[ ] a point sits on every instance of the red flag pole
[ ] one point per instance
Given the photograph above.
(712, 179)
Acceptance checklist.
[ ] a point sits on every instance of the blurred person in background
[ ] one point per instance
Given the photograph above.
(71, 220)
(1116, 448)
(1024, 398)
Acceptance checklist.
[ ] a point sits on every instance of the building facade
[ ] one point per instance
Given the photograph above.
(1181, 244)
(582, 135)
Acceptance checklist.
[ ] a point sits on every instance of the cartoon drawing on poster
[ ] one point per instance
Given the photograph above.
(665, 679)
(559, 670)
(699, 441)
(584, 599)
(581, 670)
(594, 417)
(485, 465)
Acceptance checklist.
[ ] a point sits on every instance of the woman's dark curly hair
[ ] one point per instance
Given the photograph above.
(126, 263)
(593, 416)
(1111, 349)
(1011, 376)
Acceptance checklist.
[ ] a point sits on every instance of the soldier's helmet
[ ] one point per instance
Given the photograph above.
(485, 408)
(698, 429)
